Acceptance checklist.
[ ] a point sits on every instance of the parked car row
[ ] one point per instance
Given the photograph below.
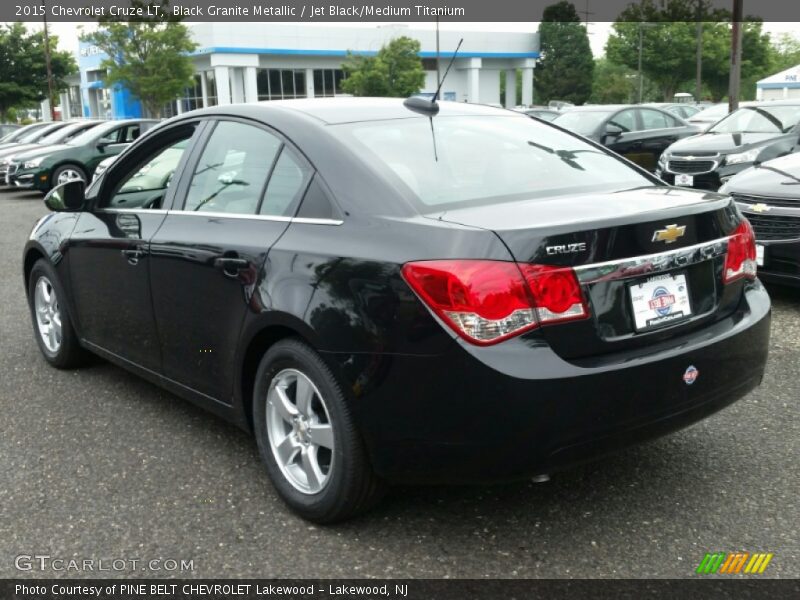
(43, 155)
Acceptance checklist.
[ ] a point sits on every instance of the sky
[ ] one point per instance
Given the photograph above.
(598, 31)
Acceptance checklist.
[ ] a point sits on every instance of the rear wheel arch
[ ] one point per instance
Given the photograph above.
(257, 346)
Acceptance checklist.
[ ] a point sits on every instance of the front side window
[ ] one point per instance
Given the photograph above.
(149, 182)
(112, 137)
(233, 169)
(482, 160)
(625, 120)
(584, 122)
(653, 119)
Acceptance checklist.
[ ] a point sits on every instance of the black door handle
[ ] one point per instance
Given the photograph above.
(230, 265)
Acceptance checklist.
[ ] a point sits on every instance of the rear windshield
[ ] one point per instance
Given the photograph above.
(451, 161)
(38, 133)
(64, 134)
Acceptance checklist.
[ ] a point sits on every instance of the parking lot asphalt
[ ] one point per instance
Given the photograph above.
(98, 464)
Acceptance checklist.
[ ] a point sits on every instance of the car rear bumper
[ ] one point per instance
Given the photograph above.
(516, 410)
(781, 262)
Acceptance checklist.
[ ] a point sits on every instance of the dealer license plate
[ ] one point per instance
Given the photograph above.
(660, 300)
(760, 255)
(684, 180)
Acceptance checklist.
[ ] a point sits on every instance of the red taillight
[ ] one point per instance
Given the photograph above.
(741, 258)
(487, 301)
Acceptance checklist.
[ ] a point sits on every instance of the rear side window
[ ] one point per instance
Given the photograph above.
(233, 169)
(286, 185)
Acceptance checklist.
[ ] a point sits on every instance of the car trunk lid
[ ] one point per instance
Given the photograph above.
(658, 252)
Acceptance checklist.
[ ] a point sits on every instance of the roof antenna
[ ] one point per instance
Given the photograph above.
(431, 107)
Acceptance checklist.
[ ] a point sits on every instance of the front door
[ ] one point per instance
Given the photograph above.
(109, 250)
(629, 143)
(234, 203)
(659, 131)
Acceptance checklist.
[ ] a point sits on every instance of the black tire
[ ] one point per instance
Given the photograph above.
(352, 487)
(69, 353)
(78, 169)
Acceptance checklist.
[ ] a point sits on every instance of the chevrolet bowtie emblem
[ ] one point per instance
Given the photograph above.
(669, 234)
(759, 208)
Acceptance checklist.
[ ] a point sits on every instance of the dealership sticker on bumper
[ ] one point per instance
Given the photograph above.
(660, 300)
(684, 180)
(759, 255)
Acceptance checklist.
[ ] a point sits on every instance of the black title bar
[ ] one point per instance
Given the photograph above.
(397, 589)
(357, 10)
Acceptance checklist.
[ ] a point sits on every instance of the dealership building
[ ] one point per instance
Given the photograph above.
(251, 62)
(781, 86)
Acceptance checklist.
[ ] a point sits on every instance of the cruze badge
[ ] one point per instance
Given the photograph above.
(669, 234)
(566, 248)
(759, 208)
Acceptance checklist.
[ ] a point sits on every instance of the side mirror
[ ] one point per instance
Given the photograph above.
(101, 146)
(613, 131)
(66, 197)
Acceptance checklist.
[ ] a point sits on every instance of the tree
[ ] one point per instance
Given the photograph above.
(23, 74)
(396, 71)
(149, 55)
(786, 53)
(669, 45)
(613, 83)
(564, 71)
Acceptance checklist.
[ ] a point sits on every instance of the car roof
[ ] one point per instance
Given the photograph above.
(601, 107)
(333, 111)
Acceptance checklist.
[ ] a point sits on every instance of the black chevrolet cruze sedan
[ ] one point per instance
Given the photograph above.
(768, 194)
(385, 295)
(639, 133)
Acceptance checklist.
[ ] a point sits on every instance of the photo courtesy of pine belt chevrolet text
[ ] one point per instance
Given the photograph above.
(389, 291)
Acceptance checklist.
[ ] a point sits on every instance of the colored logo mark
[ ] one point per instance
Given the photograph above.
(734, 562)
(662, 301)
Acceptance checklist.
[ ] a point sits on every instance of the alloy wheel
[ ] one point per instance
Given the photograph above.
(69, 175)
(300, 431)
(48, 315)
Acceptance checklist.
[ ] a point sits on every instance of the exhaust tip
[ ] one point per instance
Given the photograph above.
(543, 478)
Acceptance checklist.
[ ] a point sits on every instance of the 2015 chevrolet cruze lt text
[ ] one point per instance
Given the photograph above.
(384, 295)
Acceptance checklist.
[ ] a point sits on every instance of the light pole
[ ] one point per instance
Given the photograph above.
(736, 57)
(48, 66)
(698, 84)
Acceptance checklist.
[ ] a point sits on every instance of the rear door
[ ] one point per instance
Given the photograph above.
(236, 200)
